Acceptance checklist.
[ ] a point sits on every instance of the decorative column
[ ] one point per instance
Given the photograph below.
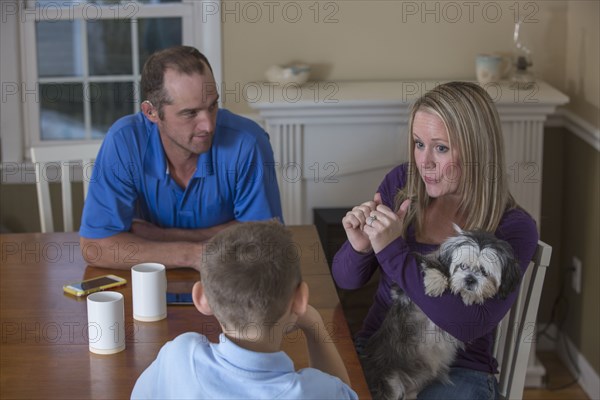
(286, 140)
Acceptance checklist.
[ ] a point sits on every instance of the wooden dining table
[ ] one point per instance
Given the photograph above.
(44, 339)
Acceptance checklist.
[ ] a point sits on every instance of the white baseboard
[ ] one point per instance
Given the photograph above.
(535, 377)
(589, 380)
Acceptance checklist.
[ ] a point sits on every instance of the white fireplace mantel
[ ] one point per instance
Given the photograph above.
(334, 141)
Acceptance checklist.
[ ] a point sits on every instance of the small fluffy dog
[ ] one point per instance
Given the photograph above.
(409, 351)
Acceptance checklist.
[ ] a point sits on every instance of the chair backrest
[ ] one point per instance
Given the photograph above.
(516, 332)
(66, 157)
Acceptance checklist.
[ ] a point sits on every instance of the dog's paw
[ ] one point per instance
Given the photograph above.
(435, 282)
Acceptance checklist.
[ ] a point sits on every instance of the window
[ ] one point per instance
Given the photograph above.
(81, 60)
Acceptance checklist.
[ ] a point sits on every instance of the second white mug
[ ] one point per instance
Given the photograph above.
(149, 288)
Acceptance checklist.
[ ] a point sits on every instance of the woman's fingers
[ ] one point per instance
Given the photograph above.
(377, 198)
(367, 213)
(403, 209)
(351, 221)
(381, 215)
(363, 211)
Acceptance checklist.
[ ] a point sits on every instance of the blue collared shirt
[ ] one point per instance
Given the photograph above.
(234, 180)
(190, 367)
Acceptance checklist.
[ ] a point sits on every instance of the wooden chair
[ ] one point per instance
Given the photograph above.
(64, 157)
(517, 330)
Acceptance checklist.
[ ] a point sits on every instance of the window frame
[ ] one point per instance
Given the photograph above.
(198, 30)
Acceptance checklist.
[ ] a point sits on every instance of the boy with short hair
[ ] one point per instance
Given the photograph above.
(252, 284)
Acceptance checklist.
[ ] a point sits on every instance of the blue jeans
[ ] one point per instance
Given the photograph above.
(467, 384)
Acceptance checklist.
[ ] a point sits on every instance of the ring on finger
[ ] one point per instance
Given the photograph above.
(371, 219)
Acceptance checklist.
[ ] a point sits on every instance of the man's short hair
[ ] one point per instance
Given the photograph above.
(183, 59)
(250, 272)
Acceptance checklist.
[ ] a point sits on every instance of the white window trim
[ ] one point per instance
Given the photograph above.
(18, 65)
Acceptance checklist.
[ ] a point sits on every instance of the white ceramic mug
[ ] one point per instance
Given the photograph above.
(489, 68)
(106, 322)
(149, 287)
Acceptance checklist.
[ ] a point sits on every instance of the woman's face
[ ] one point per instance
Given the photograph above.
(437, 162)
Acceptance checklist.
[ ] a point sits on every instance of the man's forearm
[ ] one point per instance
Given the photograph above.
(147, 230)
(195, 235)
(124, 250)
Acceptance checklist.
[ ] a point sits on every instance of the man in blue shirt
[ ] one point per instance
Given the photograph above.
(170, 177)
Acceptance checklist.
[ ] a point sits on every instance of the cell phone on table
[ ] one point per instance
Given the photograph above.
(92, 285)
(179, 299)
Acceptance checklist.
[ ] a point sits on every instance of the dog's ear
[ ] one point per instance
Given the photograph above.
(511, 276)
(424, 261)
(435, 274)
(419, 258)
(432, 261)
(511, 270)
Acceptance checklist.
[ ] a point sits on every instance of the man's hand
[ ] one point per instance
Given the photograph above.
(309, 320)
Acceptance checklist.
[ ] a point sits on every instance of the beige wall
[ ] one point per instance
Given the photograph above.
(378, 40)
(581, 189)
(581, 235)
(583, 60)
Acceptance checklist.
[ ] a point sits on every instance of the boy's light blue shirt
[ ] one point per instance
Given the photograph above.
(234, 180)
(190, 367)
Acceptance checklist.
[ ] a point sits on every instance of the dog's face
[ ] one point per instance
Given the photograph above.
(480, 266)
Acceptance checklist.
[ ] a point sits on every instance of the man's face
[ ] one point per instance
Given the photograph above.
(188, 123)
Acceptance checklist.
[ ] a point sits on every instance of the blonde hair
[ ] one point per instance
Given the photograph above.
(473, 126)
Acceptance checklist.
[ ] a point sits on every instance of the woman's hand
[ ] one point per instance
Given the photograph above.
(355, 221)
(384, 225)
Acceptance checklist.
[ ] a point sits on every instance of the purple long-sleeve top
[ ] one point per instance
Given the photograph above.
(474, 324)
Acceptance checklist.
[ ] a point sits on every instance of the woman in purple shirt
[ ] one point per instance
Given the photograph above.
(455, 174)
